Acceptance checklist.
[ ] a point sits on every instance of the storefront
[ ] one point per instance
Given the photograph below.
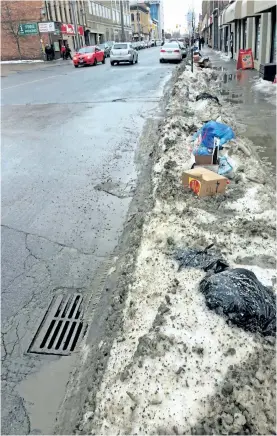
(69, 36)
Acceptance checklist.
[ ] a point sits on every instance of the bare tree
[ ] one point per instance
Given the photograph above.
(10, 24)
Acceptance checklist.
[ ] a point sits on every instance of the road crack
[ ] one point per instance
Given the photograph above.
(49, 240)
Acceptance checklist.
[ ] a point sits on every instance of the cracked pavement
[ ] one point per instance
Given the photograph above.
(69, 150)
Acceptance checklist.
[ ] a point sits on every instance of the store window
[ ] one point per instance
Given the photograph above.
(244, 33)
(273, 37)
(257, 36)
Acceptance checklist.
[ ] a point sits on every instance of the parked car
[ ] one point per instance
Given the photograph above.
(106, 48)
(183, 49)
(152, 42)
(171, 52)
(148, 44)
(143, 44)
(135, 45)
(89, 55)
(158, 42)
(123, 52)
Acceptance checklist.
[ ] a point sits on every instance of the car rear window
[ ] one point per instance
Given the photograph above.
(171, 45)
(87, 50)
(120, 46)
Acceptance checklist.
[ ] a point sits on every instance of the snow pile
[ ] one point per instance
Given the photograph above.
(34, 61)
(267, 88)
(177, 367)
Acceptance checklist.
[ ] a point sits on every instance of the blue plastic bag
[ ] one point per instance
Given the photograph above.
(202, 151)
(212, 130)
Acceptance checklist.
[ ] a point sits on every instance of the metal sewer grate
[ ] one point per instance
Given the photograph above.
(61, 327)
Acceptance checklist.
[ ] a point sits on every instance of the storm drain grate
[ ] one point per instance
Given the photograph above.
(61, 327)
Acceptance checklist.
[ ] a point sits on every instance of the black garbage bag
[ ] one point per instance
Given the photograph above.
(238, 294)
(205, 96)
(205, 259)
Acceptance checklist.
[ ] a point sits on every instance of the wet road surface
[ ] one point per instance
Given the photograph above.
(69, 141)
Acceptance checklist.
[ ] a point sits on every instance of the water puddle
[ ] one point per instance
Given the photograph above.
(253, 109)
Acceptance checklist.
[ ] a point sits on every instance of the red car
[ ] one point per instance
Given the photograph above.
(89, 55)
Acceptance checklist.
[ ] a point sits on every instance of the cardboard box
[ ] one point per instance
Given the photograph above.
(204, 182)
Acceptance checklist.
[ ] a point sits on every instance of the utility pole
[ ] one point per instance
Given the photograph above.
(122, 21)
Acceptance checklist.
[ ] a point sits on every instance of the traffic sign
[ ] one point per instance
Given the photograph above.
(27, 29)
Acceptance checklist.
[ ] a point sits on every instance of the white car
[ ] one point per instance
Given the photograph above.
(158, 42)
(171, 52)
(123, 52)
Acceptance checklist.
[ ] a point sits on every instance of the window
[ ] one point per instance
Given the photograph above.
(273, 37)
(49, 11)
(87, 50)
(120, 46)
(55, 12)
(244, 33)
(132, 17)
(257, 36)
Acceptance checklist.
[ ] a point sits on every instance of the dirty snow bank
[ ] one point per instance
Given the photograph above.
(177, 367)
(35, 61)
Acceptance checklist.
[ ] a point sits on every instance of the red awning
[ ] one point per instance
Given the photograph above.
(69, 29)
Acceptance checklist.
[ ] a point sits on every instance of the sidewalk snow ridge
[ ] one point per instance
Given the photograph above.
(188, 369)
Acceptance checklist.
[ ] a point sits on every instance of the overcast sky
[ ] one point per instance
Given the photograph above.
(175, 12)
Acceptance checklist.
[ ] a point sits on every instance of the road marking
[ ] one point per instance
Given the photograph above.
(32, 81)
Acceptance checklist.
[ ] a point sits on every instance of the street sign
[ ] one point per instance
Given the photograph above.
(46, 27)
(27, 29)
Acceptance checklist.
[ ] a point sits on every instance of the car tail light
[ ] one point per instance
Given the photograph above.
(176, 51)
(162, 51)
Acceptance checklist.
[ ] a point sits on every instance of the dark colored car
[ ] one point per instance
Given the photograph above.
(106, 48)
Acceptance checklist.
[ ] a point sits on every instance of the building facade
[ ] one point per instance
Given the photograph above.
(156, 8)
(244, 24)
(58, 22)
(141, 22)
(104, 21)
(21, 46)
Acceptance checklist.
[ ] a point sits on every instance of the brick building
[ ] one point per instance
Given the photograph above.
(14, 46)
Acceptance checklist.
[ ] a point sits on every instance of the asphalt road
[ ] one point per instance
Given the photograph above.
(69, 141)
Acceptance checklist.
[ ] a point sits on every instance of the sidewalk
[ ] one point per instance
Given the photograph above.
(8, 69)
(254, 101)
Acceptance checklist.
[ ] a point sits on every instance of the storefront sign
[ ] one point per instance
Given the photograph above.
(69, 29)
(27, 29)
(245, 59)
(81, 30)
(46, 27)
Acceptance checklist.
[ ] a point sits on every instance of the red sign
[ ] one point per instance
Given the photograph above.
(245, 59)
(81, 30)
(69, 29)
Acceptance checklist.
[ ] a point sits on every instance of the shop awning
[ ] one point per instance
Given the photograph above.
(233, 12)
(69, 29)
(247, 8)
(263, 5)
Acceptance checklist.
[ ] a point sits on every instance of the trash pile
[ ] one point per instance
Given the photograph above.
(235, 293)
